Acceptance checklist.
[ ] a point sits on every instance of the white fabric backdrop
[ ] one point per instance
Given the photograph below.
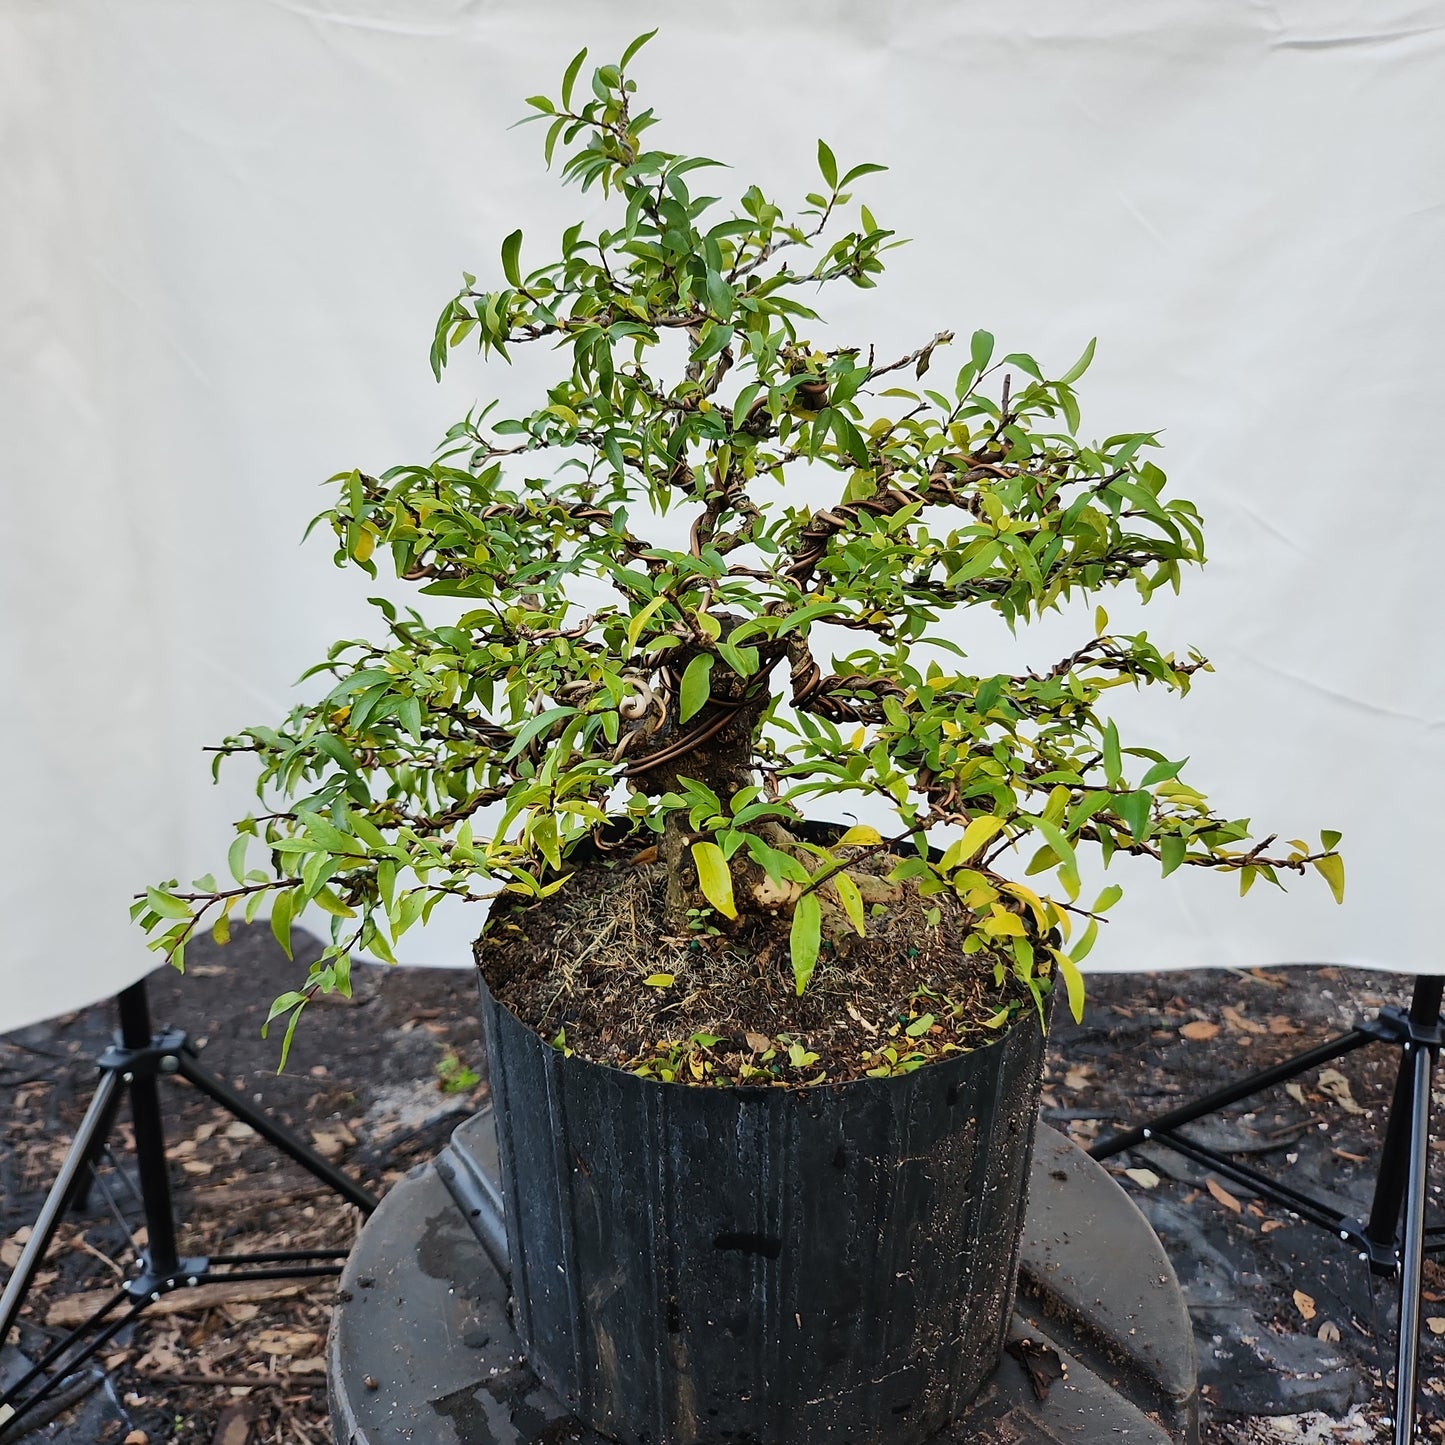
(228, 228)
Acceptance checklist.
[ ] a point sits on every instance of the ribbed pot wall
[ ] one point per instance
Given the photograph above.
(762, 1264)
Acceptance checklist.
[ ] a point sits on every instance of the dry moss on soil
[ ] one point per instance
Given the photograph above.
(722, 1008)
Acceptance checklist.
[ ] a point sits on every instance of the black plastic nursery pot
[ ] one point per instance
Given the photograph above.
(761, 1264)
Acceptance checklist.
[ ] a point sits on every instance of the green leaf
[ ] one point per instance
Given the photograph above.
(281, 906)
(535, 726)
(570, 78)
(849, 438)
(1068, 864)
(1133, 809)
(511, 249)
(827, 165)
(1161, 773)
(714, 878)
(1085, 942)
(980, 348)
(1080, 366)
(167, 906)
(1172, 849)
(1113, 760)
(919, 1026)
(1332, 870)
(1329, 838)
(852, 901)
(1107, 899)
(696, 686)
(805, 939)
(713, 343)
(236, 857)
(633, 48)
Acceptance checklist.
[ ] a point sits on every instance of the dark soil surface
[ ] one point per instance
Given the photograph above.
(595, 964)
(1286, 1322)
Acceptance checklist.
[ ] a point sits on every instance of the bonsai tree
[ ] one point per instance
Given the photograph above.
(631, 701)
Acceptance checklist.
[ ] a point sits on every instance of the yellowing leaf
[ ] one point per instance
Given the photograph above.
(979, 831)
(860, 836)
(1002, 924)
(1074, 982)
(852, 901)
(714, 878)
(634, 628)
(1332, 870)
(658, 980)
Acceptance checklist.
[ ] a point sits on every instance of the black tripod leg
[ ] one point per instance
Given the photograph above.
(270, 1130)
(87, 1139)
(1413, 1253)
(1222, 1098)
(85, 1181)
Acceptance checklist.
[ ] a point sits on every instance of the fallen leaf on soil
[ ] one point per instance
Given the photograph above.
(1270, 1225)
(1436, 1325)
(1077, 1077)
(1239, 1023)
(137, 1437)
(1144, 1178)
(1223, 1196)
(314, 1366)
(759, 1043)
(233, 1428)
(1304, 1304)
(1279, 1024)
(79, 1307)
(1329, 1332)
(1337, 1086)
(1199, 1029)
(1295, 1092)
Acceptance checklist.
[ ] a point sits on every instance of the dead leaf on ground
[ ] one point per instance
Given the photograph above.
(1239, 1023)
(1144, 1178)
(1337, 1086)
(314, 1366)
(233, 1428)
(1295, 1092)
(1304, 1304)
(1436, 1325)
(759, 1043)
(1270, 1225)
(1199, 1029)
(1077, 1077)
(1281, 1024)
(1223, 1195)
